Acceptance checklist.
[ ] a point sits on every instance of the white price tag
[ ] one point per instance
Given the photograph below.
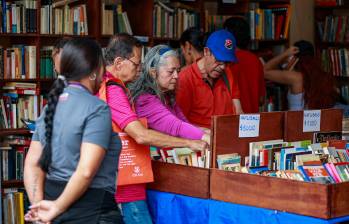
(311, 120)
(249, 125)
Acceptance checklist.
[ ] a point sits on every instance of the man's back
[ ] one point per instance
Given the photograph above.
(249, 73)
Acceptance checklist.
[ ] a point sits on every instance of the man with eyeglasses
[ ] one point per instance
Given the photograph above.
(204, 87)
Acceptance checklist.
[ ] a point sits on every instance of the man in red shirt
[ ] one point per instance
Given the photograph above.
(204, 88)
(249, 70)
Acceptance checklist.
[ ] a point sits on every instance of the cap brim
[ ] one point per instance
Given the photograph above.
(226, 57)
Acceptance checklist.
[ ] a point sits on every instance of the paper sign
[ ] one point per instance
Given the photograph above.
(311, 120)
(249, 125)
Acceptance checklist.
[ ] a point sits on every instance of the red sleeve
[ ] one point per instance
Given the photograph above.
(120, 107)
(184, 93)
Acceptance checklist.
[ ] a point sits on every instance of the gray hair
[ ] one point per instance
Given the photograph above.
(154, 59)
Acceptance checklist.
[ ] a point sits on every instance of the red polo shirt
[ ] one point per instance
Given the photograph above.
(199, 101)
(249, 73)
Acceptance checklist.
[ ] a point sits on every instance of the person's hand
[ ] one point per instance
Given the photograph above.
(44, 211)
(207, 138)
(291, 51)
(206, 130)
(198, 145)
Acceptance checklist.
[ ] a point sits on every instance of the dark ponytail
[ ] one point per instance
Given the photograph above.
(89, 56)
(53, 96)
(195, 37)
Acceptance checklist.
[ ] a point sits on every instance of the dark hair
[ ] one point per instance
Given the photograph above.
(89, 55)
(240, 28)
(318, 85)
(195, 37)
(305, 48)
(120, 45)
(59, 44)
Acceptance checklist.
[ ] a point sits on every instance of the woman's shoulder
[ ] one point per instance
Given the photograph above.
(147, 98)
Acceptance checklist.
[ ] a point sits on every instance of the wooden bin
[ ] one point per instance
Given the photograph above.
(180, 179)
(311, 199)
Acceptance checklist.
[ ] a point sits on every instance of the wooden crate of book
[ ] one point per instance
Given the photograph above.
(331, 121)
(305, 198)
(180, 179)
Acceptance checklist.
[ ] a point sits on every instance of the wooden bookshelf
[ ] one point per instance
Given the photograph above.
(330, 46)
(18, 131)
(12, 183)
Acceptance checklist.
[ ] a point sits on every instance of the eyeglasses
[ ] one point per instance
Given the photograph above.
(134, 63)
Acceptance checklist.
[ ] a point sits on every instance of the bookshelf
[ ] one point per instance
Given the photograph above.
(331, 40)
(32, 26)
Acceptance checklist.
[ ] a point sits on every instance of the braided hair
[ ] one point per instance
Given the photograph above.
(89, 55)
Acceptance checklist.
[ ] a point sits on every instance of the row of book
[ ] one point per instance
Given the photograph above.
(15, 204)
(324, 162)
(183, 156)
(12, 161)
(18, 16)
(64, 20)
(46, 63)
(170, 22)
(18, 62)
(329, 2)
(335, 61)
(15, 108)
(334, 29)
(114, 20)
(214, 22)
(271, 23)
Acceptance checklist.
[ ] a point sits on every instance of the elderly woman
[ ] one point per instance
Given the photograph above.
(154, 95)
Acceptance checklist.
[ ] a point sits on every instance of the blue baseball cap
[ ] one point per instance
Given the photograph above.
(222, 44)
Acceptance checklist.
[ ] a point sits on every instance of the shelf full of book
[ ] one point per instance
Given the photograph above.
(331, 39)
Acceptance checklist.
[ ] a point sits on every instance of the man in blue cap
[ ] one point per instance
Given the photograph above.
(204, 88)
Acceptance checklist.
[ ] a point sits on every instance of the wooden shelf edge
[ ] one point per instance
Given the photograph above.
(18, 131)
(26, 80)
(12, 183)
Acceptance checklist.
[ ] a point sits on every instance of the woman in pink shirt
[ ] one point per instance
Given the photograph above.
(123, 58)
(154, 95)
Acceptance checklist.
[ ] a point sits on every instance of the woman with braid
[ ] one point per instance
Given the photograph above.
(70, 167)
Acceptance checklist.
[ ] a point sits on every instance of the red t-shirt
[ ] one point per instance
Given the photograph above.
(249, 73)
(199, 101)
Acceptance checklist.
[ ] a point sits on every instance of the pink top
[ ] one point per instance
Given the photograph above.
(122, 114)
(166, 119)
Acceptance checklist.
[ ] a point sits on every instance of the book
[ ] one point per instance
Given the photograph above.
(316, 173)
(320, 137)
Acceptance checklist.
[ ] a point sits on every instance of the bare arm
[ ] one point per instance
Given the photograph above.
(273, 63)
(238, 107)
(34, 176)
(146, 136)
(91, 156)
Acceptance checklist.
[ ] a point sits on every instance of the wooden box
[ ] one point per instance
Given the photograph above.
(311, 199)
(180, 179)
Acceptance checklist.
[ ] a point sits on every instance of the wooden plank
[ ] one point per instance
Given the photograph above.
(299, 197)
(339, 199)
(331, 120)
(180, 179)
(226, 133)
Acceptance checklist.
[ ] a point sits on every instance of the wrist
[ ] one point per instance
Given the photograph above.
(60, 207)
